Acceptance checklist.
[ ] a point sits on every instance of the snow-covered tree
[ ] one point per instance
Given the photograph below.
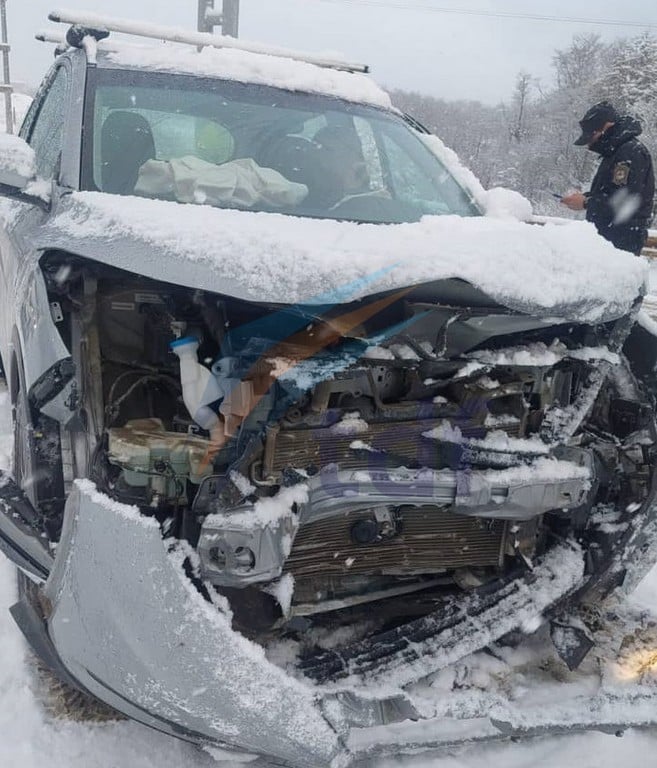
(527, 144)
(630, 78)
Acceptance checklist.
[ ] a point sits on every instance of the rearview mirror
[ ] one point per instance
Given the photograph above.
(17, 162)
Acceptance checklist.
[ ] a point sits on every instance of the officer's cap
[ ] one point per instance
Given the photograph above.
(596, 117)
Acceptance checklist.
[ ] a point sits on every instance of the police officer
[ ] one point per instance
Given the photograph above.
(620, 200)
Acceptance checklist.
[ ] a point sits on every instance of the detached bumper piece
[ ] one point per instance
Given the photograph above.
(611, 694)
(608, 714)
(455, 629)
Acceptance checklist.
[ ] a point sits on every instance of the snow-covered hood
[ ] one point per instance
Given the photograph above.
(566, 271)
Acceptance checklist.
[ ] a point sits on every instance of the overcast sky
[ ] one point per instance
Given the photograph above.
(407, 43)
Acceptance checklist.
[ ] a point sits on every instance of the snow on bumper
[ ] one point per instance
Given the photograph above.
(132, 629)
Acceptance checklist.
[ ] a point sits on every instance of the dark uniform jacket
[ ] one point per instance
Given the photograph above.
(620, 201)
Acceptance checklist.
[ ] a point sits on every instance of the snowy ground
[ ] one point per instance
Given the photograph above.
(31, 738)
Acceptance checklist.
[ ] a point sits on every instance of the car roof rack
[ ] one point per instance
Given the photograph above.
(55, 37)
(103, 25)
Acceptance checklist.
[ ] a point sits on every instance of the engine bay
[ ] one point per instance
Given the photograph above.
(394, 451)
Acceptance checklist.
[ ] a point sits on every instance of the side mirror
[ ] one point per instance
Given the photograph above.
(17, 163)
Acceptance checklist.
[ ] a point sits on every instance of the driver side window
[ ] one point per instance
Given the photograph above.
(47, 133)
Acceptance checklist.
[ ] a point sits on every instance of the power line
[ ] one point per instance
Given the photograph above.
(497, 14)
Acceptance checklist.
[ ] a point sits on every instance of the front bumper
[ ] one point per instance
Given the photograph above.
(130, 627)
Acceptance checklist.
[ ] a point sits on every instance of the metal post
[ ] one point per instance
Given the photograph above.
(231, 18)
(203, 7)
(9, 116)
(227, 18)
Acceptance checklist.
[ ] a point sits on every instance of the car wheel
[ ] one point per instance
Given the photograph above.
(25, 470)
(60, 699)
(37, 463)
(35, 476)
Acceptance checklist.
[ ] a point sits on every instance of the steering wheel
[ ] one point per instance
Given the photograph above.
(376, 208)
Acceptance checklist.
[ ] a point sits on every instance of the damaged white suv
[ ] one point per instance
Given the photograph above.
(302, 414)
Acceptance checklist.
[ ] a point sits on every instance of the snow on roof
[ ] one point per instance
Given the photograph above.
(566, 271)
(245, 67)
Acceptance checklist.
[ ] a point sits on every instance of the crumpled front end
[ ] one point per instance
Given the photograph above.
(454, 450)
(293, 513)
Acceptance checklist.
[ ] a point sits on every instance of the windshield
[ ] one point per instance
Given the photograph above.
(234, 145)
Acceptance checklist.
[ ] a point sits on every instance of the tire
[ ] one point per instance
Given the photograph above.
(37, 464)
(59, 699)
(25, 468)
(30, 472)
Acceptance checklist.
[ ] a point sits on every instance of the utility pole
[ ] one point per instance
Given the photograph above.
(227, 18)
(5, 87)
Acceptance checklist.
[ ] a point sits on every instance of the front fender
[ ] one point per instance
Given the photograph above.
(45, 359)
